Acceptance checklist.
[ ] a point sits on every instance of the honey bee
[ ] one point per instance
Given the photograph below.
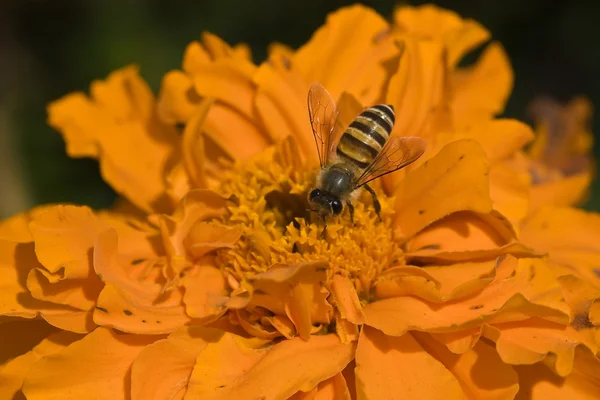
(361, 154)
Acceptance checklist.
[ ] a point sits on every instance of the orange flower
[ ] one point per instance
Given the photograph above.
(212, 281)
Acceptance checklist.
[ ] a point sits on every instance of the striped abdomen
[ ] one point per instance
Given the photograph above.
(366, 135)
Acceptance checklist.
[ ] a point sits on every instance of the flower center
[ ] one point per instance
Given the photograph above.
(277, 228)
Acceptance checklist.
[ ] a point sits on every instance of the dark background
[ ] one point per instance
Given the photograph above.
(51, 47)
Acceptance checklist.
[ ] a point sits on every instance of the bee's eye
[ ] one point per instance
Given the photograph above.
(336, 206)
(313, 194)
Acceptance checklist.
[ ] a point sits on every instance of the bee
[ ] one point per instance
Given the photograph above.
(362, 153)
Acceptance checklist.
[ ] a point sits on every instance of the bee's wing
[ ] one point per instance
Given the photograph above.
(323, 114)
(397, 153)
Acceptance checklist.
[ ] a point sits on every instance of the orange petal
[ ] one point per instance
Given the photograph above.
(436, 284)
(499, 138)
(538, 381)
(570, 236)
(358, 69)
(417, 87)
(205, 237)
(77, 293)
(22, 335)
(480, 371)
(399, 368)
(331, 389)
(16, 228)
(198, 205)
(528, 342)
(528, 292)
(13, 372)
(563, 192)
(99, 363)
(458, 342)
(224, 124)
(233, 368)
(71, 320)
(205, 292)
(229, 81)
(444, 176)
(458, 35)
(281, 104)
(461, 231)
(347, 300)
(64, 237)
(510, 192)
(118, 310)
(117, 126)
(16, 260)
(177, 100)
(193, 145)
(297, 291)
(482, 90)
(163, 368)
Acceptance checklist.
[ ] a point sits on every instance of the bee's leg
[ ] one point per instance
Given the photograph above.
(324, 226)
(376, 203)
(351, 209)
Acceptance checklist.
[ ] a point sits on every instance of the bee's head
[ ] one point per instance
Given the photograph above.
(325, 202)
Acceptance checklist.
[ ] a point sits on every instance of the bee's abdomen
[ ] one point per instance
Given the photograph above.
(366, 135)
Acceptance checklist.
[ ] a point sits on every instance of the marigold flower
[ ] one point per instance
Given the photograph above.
(210, 280)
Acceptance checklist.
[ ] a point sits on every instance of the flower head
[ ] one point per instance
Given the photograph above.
(212, 280)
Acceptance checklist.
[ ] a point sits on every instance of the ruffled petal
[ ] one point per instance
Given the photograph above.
(129, 304)
(331, 389)
(429, 21)
(177, 100)
(99, 363)
(358, 69)
(118, 126)
(205, 292)
(295, 291)
(570, 236)
(520, 289)
(399, 368)
(436, 284)
(481, 91)
(13, 372)
(538, 382)
(531, 341)
(163, 368)
(443, 177)
(233, 367)
(480, 371)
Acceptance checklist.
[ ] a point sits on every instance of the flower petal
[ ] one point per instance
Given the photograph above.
(530, 341)
(399, 368)
(232, 368)
(538, 381)
(177, 100)
(118, 126)
(436, 284)
(443, 177)
(482, 90)
(347, 300)
(295, 291)
(357, 69)
(508, 297)
(99, 363)
(205, 292)
(570, 236)
(64, 237)
(458, 35)
(22, 335)
(480, 371)
(331, 389)
(13, 372)
(563, 192)
(205, 237)
(458, 342)
(163, 368)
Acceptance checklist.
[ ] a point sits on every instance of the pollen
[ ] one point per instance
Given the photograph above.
(271, 209)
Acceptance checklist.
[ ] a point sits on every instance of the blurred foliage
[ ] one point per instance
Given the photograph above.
(58, 46)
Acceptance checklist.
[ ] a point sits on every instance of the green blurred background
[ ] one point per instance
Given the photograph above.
(52, 47)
